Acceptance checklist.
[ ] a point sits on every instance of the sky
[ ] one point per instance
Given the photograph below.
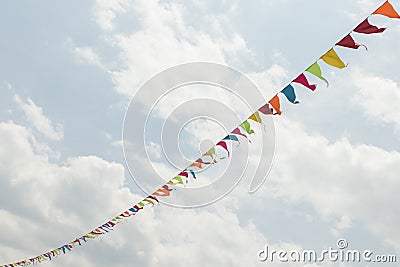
(69, 70)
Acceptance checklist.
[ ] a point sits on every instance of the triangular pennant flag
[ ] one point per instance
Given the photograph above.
(302, 79)
(184, 174)
(193, 174)
(275, 103)
(288, 91)
(266, 110)
(332, 58)
(246, 126)
(176, 178)
(256, 117)
(386, 9)
(154, 198)
(148, 201)
(200, 160)
(162, 192)
(316, 70)
(349, 42)
(196, 164)
(210, 153)
(223, 144)
(367, 28)
(231, 137)
(238, 132)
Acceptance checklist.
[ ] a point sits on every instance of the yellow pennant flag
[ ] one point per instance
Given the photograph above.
(331, 58)
(256, 117)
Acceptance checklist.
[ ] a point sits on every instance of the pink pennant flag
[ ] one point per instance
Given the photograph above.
(223, 144)
(238, 132)
(302, 79)
(266, 110)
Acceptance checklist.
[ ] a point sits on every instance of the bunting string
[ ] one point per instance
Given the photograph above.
(244, 130)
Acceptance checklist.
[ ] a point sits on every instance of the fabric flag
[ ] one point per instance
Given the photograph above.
(238, 132)
(366, 28)
(315, 69)
(149, 201)
(200, 160)
(196, 164)
(332, 58)
(349, 42)
(193, 174)
(210, 153)
(163, 191)
(184, 174)
(256, 117)
(154, 198)
(302, 79)
(223, 145)
(288, 91)
(176, 178)
(386, 9)
(275, 103)
(266, 110)
(246, 126)
(231, 137)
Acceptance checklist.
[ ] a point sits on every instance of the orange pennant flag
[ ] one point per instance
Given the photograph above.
(387, 10)
(163, 191)
(276, 104)
(196, 164)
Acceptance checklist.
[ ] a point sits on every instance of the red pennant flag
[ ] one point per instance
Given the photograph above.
(366, 28)
(349, 42)
(276, 104)
(184, 174)
(302, 79)
(223, 144)
(387, 10)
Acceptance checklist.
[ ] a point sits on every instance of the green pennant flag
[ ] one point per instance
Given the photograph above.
(316, 70)
(246, 126)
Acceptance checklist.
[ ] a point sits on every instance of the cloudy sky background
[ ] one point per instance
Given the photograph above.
(69, 69)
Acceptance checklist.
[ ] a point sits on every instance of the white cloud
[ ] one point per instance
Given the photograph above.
(34, 114)
(36, 195)
(105, 12)
(378, 97)
(73, 197)
(166, 39)
(341, 180)
(87, 55)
